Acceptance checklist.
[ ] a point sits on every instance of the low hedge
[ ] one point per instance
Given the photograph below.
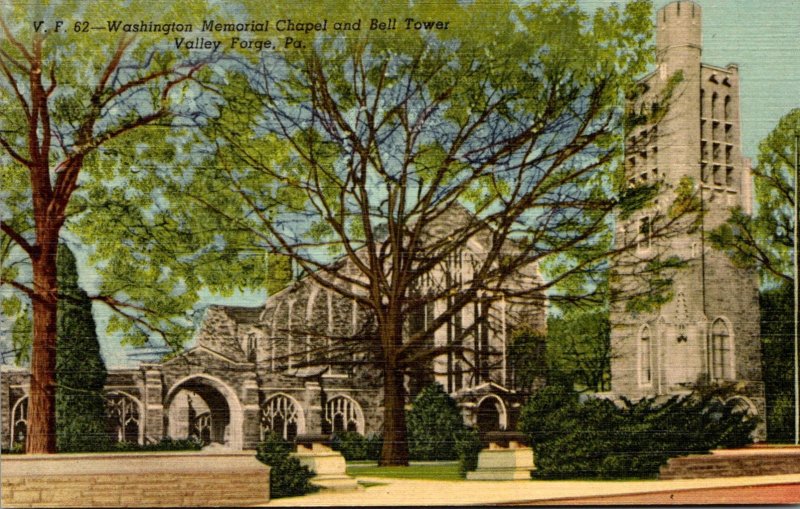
(600, 439)
(356, 447)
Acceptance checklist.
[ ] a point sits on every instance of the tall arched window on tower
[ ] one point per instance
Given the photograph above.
(727, 110)
(721, 352)
(714, 106)
(702, 101)
(645, 357)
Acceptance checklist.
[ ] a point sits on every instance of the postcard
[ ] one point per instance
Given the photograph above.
(399, 253)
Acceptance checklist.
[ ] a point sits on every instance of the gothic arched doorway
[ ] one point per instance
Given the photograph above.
(491, 414)
(204, 408)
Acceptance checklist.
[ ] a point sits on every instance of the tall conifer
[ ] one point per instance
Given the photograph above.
(80, 370)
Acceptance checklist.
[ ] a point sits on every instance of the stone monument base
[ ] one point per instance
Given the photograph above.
(328, 465)
(506, 459)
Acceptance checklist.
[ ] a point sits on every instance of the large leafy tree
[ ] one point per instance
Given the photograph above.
(80, 370)
(392, 150)
(764, 240)
(579, 347)
(85, 117)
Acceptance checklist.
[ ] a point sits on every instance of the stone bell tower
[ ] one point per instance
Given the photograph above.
(707, 333)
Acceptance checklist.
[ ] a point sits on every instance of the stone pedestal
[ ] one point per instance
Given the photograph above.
(328, 465)
(506, 459)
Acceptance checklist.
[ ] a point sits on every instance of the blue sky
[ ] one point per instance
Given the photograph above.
(763, 38)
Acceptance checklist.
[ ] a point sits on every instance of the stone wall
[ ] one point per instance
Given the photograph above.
(134, 480)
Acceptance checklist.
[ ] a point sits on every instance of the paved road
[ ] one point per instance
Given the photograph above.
(737, 495)
(779, 489)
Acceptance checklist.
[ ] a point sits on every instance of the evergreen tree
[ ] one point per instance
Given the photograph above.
(80, 371)
(434, 424)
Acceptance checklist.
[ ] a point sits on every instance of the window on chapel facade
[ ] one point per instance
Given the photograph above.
(645, 357)
(721, 351)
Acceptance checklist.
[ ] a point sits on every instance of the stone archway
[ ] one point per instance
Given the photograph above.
(491, 414)
(205, 408)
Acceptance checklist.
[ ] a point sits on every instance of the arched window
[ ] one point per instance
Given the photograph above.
(727, 108)
(645, 357)
(714, 106)
(280, 414)
(122, 414)
(19, 422)
(252, 346)
(344, 414)
(721, 353)
(702, 102)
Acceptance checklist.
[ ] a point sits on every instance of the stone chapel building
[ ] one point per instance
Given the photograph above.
(707, 335)
(272, 368)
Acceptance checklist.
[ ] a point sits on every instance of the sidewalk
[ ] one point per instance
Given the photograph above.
(421, 492)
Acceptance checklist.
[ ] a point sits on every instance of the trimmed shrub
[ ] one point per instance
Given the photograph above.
(468, 445)
(434, 421)
(374, 447)
(287, 478)
(356, 447)
(597, 438)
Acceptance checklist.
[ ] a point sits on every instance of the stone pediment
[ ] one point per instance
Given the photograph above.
(481, 390)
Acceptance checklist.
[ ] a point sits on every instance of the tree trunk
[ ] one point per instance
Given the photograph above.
(41, 405)
(395, 436)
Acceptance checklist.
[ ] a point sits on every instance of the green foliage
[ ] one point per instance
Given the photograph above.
(765, 240)
(579, 347)
(279, 273)
(165, 444)
(17, 448)
(434, 422)
(777, 353)
(80, 371)
(287, 478)
(356, 447)
(527, 354)
(468, 445)
(22, 337)
(597, 438)
(436, 430)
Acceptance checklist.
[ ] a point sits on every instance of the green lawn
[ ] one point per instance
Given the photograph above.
(440, 470)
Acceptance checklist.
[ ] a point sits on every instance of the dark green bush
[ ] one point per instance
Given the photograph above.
(288, 478)
(356, 447)
(597, 438)
(17, 448)
(165, 444)
(374, 447)
(434, 421)
(468, 445)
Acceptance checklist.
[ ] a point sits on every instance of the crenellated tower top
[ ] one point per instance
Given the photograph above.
(678, 25)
